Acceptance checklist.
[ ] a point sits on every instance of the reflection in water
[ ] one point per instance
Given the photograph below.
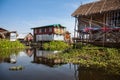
(92, 74)
(29, 52)
(40, 57)
(9, 55)
(40, 68)
(11, 59)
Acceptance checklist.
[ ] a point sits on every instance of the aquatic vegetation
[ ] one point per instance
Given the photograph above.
(7, 44)
(15, 68)
(93, 57)
(55, 45)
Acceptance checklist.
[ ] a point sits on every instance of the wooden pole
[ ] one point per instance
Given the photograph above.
(75, 29)
(90, 24)
(104, 35)
(117, 18)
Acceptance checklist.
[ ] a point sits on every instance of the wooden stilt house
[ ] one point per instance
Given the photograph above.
(98, 23)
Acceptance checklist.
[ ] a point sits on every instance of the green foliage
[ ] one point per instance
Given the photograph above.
(77, 45)
(6, 44)
(93, 56)
(55, 45)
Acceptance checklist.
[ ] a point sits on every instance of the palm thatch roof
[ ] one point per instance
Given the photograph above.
(97, 7)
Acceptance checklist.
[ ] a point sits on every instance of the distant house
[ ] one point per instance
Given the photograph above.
(5, 34)
(25, 37)
(49, 33)
(3, 30)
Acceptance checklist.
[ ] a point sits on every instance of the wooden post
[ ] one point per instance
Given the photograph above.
(90, 24)
(118, 18)
(104, 25)
(75, 29)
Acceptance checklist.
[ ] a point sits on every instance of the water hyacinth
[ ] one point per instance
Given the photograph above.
(7, 44)
(92, 56)
(55, 45)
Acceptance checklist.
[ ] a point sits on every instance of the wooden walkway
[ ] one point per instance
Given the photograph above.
(98, 43)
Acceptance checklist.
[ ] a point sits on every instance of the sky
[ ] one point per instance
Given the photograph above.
(22, 15)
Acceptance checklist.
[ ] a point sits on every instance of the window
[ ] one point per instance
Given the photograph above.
(50, 29)
(35, 31)
(43, 30)
(40, 30)
(114, 19)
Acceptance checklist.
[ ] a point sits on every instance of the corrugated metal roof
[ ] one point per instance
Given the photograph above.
(53, 25)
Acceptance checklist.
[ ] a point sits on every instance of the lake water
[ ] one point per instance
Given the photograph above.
(36, 68)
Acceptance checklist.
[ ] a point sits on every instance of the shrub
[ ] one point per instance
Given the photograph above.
(6, 44)
(55, 45)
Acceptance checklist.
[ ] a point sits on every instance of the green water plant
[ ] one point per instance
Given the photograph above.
(92, 57)
(55, 45)
(7, 44)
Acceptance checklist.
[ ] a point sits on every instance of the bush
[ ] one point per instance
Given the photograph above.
(6, 44)
(55, 45)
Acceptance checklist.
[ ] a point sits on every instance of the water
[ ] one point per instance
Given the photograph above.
(37, 67)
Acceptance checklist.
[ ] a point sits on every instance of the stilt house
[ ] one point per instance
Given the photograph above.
(49, 33)
(98, 23)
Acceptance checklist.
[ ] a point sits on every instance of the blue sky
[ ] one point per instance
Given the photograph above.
(21, 15)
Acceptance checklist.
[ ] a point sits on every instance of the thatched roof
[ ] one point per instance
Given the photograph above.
(97, 7)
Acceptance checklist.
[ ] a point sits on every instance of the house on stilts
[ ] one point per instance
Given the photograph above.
(98, 23)
(49, 33)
